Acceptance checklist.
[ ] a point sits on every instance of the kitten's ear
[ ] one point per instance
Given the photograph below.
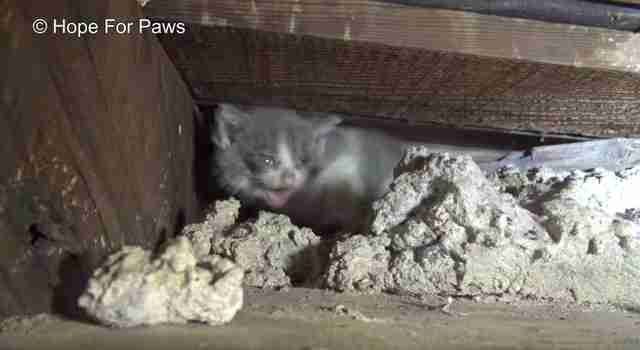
(228, 118)
(326, 125)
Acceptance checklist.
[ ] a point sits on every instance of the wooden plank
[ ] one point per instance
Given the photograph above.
(408, 85)
(415, 27)
(96, 144)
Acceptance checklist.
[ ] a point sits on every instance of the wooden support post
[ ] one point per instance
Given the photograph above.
(96, 145)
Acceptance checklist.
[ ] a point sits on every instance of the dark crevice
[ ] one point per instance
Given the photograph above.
(513, 190)
(74, 272)
(306, 266)
(205, 188)
(537, 255)
(574, 295)
(163, 237)
(623, 242)
(180, 222)
(472, 236)
(593, 247)
(36, 234)
(554, 231)
(420, 252)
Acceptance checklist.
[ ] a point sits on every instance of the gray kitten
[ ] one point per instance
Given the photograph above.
(322, 175)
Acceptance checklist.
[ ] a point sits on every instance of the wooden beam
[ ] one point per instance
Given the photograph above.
(415, 86)
(97, 150)
(416, 27)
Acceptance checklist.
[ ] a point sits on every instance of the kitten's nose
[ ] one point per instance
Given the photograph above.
(288, 178)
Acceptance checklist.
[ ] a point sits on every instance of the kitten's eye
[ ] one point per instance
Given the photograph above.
(268, 161)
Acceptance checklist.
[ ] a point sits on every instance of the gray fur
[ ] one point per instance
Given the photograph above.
(346, 168)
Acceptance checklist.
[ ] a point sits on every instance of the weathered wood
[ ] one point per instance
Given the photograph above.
(418, 27)
(417, 86)
(420, 64)
(96, 145)
(612, 154)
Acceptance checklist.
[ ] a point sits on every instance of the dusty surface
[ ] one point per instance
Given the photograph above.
(307, 319)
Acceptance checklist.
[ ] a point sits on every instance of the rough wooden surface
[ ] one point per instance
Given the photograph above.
(418, 27)
(400, 83)
(96, 145)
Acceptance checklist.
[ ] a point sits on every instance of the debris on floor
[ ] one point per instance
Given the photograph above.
(612, 192)
(350, 312)
(220, 218)
(274, 252)
(25, 325)
(595, 255)
(449, 231)
(135, 288)
(444, 228)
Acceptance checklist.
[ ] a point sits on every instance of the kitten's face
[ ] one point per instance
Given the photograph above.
(265, 155)
(273, 171)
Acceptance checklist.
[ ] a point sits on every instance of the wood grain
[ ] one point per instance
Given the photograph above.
(407, 85)
(417, 27)
(96, 144)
